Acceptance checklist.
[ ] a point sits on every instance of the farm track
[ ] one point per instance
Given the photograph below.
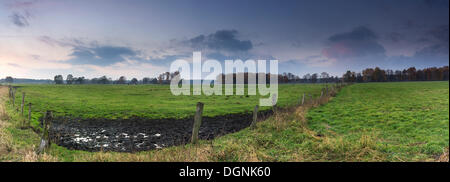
(140, 134)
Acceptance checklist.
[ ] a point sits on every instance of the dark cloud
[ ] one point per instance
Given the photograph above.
(93, 53)
(102, 56)
(433, 51)
(438, 43)
(441, 33)
(395, 36)
(21, 12)
(359, 42)
(357, 34)
(436, 3)
(19, 20)
(221, 40)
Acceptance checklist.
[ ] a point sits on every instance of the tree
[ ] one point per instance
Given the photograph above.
(167, 76)
(368, 74)
(314, 78)
(80, 80)
(154, 81)
(359, 77)
(324, 77)
(59, 79)
(445, 72)
(9, 79)
(146, 80)
(122, 80)
(104, 80)
(390, 75)
(379, 75)
(398, 75)
(134, 81)
(69, 79)
(347, 76)
(307, 77)
(411, 73)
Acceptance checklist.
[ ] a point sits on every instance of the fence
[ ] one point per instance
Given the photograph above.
(304, 101)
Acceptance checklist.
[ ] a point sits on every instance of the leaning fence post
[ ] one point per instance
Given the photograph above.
(303, 99)
(255, 117)
(23, 103)
(45, 140)
(197, 122)
(29, 114)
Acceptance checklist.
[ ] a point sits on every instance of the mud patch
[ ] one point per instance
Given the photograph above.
(138, 134)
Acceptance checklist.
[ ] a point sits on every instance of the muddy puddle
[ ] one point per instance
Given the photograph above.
(138, 134)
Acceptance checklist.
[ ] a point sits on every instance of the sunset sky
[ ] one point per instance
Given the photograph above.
(140, 38)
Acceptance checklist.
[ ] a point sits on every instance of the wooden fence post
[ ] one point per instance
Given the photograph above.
(9, 91)
(255, 117)
(23, 103)
(197, 122)
(303, 99)
(13, 98)
(45, 140)
(29, 114)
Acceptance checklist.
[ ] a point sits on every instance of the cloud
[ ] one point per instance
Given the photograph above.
(395, 37)
(440, 33)
(19, 20)
(359, 42)
(49, 41)
(436, 50)
(221, 40)
(101, 55)
(438, 43)
(436, 3)
(358, 34)
(21, 12)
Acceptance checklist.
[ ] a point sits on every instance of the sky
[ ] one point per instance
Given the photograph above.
(140, 38)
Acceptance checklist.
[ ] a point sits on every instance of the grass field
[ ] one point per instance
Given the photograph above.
(406, 121)
(148, 101)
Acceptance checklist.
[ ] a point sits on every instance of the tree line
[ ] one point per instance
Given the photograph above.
(410, 74)
(324, 77)
(367, 75)
(70, 79)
